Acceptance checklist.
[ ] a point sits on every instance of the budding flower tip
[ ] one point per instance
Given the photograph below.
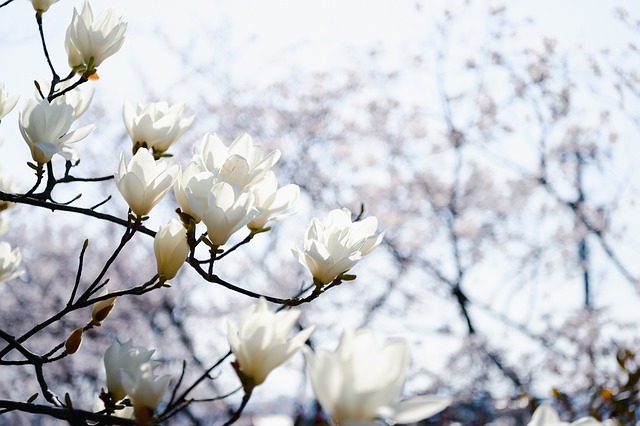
(73, 342)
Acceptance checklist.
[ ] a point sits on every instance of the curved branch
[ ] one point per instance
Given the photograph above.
(72, 209)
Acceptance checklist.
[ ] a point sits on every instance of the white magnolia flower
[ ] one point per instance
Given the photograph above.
(199, 181)
(333, 245)
(9, 262)
(123, 358)
(241, 164)
(145, 181)
(271, 200)
(78, 99)
(90, 41)
(361, 382)
(225, 211)
(42, 5)
(45, 128)
(145, 390)
(545, 415)
(156, 125)
(7, 103)
(260, 344)
(171, 249)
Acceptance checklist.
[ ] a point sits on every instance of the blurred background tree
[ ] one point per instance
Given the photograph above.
(502, 168)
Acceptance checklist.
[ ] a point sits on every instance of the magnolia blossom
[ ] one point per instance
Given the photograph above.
(156, 125)
(226, 210)
(45, 128)
(42, 5)
(9, 262)
(90, 41)
(171, 249)
(7, 103)
(271, 200)
(545, 415)
(78, 99)
(241, 164)
(145, 390)
(361, 382)
(261, 344)
(333, 245)
(123, 358)
(145, 181)
(199, 182)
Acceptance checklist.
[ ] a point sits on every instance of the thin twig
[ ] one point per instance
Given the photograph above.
(79, 273)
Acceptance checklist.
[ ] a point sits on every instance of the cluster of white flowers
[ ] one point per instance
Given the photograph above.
(357, 384)
(226, 188)
(46, 125)
(229, 187)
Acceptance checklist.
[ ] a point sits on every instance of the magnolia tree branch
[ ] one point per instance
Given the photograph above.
(73, 209)
(55, 78)
(72, 415)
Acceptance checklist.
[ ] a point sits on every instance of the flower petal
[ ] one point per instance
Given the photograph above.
(418, 408)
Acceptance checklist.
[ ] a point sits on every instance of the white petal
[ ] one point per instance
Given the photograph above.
(418, 408)
(545, 415)
(586, 421)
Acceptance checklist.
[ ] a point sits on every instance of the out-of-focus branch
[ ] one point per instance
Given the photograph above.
(73, 416)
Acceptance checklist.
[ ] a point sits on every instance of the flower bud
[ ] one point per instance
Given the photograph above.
(73, 342)
(171, 249)
(42, 5)
(102, 308)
